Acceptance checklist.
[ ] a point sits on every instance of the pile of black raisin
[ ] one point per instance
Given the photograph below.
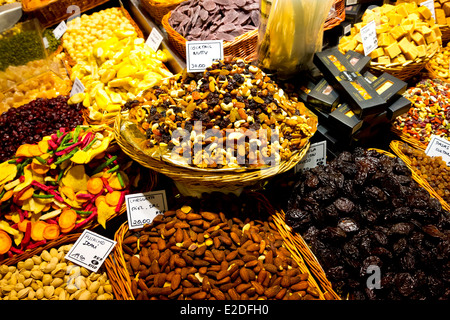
(377, 233)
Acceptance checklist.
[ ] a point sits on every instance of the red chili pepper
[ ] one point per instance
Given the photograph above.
(36, 244)
(16, 250)
(21, 192)
(107, 186)
(121, 201)
(26, 237)
(52, 145)
(85, 196)
(86, 139)
(87, 220)
(68, 149)
(22, 178)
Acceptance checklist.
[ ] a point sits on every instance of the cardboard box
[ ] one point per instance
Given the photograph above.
(322, 116)
(323, 96)
(350, 84)
(359, 61)
(305, 89)
(353, 13)
(343, 121)
(389, 87)
(399, 107)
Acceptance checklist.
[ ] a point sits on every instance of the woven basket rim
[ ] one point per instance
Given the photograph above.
(162, 3)
(188, 174)
(27, 8)
(433, 73)
(165, 23)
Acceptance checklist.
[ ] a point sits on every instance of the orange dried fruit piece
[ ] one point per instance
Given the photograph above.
(95, 185)
(113, 198)
(39, 168)
(5, 242)
(68, 192)
(24, 151)
(67, 219)
(8, 171)
(51, 232)
(37, 230)
(43, 146)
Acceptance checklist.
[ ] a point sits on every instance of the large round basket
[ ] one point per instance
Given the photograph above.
(445, 30)
(395, 146)
(193, 182)
(158, 9)
(117, 266)
(244, 46)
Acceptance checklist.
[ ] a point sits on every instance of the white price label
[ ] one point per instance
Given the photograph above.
(369, 37)
(317, 154)
(90, 250)
(154, 39)
(351, 2)
(60, 30)
(201, 54)
(439, 147)
(430, 5)
(77, 87)
(142, 208)
(44, 39)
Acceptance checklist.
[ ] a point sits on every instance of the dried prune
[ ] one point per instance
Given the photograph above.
(401, 228)
(405, 283)
(348, 225)
(344, 205)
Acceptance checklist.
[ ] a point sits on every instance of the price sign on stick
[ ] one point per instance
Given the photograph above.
(142, 208)
(439, 147)
(77, 87)
(154, 39)
(317, 154)
(59, 31)
(201, 54)
(369, 37)
(90, 250)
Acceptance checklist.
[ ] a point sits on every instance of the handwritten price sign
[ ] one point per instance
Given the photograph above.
(142, 208)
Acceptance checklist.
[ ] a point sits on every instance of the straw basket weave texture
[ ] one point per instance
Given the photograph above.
(57, 11)
(205, 180)
(409, 139)
(243, 46)
(395, 146)
(158, 9)
(117, 266)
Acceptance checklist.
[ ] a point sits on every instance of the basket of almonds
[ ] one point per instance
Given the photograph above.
(407, 38)
(45, 274)
(439, 66)
(226, 128)
(203, 255)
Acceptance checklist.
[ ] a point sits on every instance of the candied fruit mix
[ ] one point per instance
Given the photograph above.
(30, 122)
(430, 112)
(363, 211)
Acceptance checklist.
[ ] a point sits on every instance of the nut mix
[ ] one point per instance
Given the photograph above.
(187, 255)
(432, 169)
(364, 211)
(48, 276)
(235, 101)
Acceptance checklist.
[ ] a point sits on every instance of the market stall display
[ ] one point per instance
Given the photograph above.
(32, 121)
(66, 182)
(184, 254)
(44, 274)
(430, 172)
(428, 115)
(364, 211)
(234, 22)
(407, 39)
(232, 98)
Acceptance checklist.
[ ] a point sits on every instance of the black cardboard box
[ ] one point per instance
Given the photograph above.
(322, 116)
(359, 62)
(370, 77)
(323, 96)
(390, 88)
(350, 84)
(343, 121)
(353, 13)
(399, 107)
(305, 89)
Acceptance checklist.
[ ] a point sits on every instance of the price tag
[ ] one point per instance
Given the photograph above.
(369, 37)
(154, 39)
(90, 250)
(142, 208)
(439, 147)
(44, 39)
(60, 30)
(351, 2)
(317, 154)
(201, 54)
(430, 5)
(77, 87)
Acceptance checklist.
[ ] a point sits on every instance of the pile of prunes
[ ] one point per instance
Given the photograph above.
(377, 233)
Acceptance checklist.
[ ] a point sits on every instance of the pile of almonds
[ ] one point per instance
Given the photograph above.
(49, 276)
(206, 256)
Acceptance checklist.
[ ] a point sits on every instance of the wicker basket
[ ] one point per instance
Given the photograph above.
(395, 146)
(56, 11)
(445, 30)
(402, 71)
(116, 265)
(339, 7)
(157, 9)
(244, 46)
(193, 182)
